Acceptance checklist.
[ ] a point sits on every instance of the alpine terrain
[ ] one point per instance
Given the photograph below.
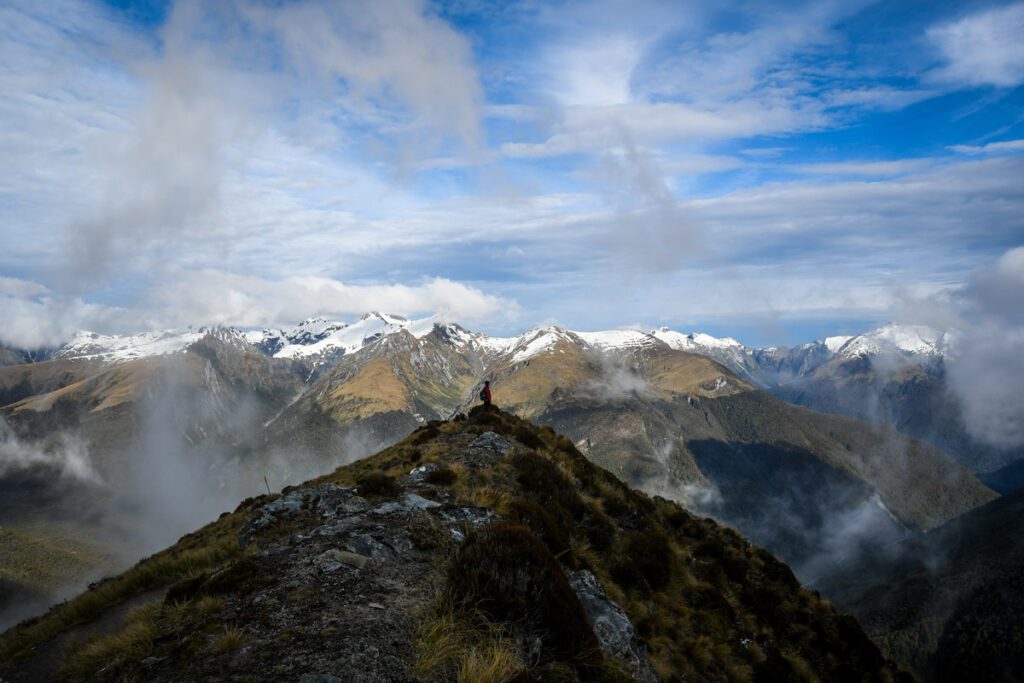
(480, 549)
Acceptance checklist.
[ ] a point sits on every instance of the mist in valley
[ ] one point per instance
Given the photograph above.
(192, 459)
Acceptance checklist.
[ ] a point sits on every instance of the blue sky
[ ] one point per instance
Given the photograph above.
(771, 171)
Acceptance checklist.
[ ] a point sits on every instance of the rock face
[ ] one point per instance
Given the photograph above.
(611, 625)
(478, 549)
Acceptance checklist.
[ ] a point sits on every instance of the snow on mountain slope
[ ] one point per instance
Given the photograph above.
(537, 342)
(833, 344)
(899, 339)
(321, 340)
(695, 341)
(118, 348)
(618, 339)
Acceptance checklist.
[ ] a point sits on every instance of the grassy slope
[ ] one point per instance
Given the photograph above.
(710, 605)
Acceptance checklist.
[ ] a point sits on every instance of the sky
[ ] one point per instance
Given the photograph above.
(775, 172)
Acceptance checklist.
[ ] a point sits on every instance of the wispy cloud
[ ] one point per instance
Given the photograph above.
(983, 48)
(523, 155)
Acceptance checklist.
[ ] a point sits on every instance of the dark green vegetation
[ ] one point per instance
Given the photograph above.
(948, 604)
(489, 602)
(912, 397)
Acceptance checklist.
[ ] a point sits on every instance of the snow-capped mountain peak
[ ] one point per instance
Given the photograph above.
(120, 348)
(833, 344)
(912, 340)
(694, 341)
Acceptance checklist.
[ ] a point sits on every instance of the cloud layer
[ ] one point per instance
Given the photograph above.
(244, 161)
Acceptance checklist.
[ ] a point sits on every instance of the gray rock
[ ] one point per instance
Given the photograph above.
(410, 501)
(489, 445)
(417, 502)
(611, 625)
(419, 474)
(399, 541)
(334, 559)
(474, 517)
(369, 546)
(459, 518)
(319, 678)
(327, 500)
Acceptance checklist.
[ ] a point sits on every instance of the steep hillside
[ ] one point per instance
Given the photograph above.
(811, 487)
(948, 604)
(478, 550)
(908, 394)
(126, 456)
(376, 395)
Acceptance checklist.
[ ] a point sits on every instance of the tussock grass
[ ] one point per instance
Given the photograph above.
(134, 641)
(463, 646)
(229, 639)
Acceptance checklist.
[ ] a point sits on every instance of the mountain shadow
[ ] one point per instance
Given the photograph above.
(948, 604)
(812, 515)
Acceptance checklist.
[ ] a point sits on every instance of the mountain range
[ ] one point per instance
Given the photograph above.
(170, 428)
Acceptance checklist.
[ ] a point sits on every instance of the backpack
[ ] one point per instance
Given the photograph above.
(483, 394)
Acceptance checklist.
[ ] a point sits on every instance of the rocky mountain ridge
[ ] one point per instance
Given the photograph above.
(478, 549)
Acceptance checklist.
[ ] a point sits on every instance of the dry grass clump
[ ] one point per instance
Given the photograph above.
(465, 647)
(229, 639)
(134, 641)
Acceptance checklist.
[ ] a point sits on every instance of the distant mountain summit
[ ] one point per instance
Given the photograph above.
(893, 375)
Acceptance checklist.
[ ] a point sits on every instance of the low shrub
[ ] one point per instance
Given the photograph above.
(442, 476)
(377, 484)
(647, 564)
(528, 437)
(509, 575)
(543, 524)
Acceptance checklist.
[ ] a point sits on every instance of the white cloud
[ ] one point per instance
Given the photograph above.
(139, 158)
(865, 169)
(984, 48)
(991, 147)
(210, 297)
(594, 129)
(35, 322)
(213, 297)
(987, 371)
(66, 454)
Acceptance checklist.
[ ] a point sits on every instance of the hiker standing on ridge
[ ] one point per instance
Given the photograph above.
(485, 394)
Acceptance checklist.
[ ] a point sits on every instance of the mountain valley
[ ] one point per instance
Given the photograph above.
(172, 428)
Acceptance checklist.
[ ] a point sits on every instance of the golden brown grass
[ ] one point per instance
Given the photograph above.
(134, 641)
(229, 639)
(463, 647)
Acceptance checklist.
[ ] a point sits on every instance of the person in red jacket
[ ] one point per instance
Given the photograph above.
(485, 394)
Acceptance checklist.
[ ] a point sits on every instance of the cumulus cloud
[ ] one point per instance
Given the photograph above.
(35, 318)
(215, 297)
(984, 48)
(986, 372)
